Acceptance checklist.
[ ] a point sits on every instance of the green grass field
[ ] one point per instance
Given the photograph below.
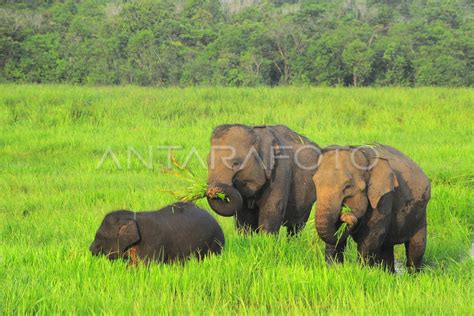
(53, 198)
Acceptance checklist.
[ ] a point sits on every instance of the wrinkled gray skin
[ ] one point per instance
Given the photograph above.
(387, 197)
(268, 189)
(174, 233)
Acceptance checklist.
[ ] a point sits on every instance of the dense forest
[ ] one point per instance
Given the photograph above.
(238, 42)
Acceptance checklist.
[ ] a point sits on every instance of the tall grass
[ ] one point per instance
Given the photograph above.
(53, 197)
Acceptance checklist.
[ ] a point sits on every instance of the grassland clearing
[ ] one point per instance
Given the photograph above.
(53, 197)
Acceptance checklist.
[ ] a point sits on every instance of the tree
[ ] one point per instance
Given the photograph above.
(41, 59)
(358, 57)
(328, 67)
(168, 42)
(144, 60)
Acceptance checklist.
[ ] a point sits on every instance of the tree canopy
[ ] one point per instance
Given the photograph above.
(238, 43)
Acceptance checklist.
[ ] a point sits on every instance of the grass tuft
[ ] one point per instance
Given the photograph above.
(340, 231)
(197, 187)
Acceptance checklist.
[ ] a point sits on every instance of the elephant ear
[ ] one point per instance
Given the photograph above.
(382, 181)
(268, 148)
(128, 234)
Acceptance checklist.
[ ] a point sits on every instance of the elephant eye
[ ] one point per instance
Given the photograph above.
(235, 163)
(347, 186)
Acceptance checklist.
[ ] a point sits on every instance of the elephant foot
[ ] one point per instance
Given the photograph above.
(335, 254)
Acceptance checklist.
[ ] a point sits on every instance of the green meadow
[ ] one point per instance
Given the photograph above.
(69, 155)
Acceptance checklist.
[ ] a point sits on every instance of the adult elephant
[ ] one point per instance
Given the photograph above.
(264, 175)
(387, 194)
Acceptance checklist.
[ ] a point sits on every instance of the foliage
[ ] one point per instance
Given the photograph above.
(235, 43)
(342, 228)
(358, 57)
(196, 188)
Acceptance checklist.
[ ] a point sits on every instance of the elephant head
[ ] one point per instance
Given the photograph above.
(239, 165)
(117, 232)
(348, 176)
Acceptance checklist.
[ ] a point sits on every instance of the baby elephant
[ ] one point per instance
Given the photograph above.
(387, 194)
(173, 233)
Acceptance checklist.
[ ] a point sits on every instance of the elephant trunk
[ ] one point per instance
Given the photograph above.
(224, 199)
(95, 248)
(350, 219)
(327, 220)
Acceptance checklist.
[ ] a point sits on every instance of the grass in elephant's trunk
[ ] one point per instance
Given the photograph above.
(197, 188)
(216, 193)
(344, 226)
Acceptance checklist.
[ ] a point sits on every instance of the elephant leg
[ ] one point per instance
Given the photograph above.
(270, 222)
(415, 249)
(271, 216)
(335, 253)
(372, 235)
(246, 221)
(387, 258)
(367, 254)
(294, 229)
